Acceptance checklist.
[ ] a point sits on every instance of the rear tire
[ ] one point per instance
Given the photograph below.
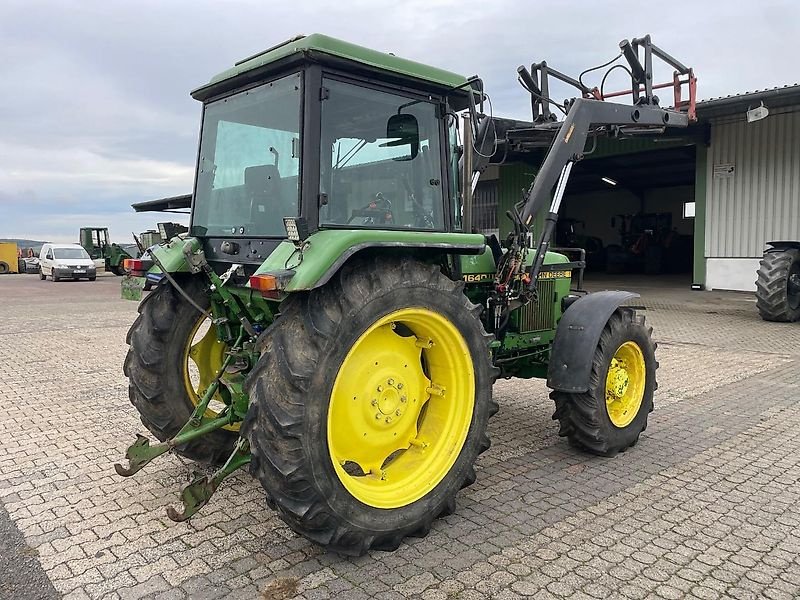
(778, 286)
(4, 268)
(155, 370)
(587, 419)
(293, 404)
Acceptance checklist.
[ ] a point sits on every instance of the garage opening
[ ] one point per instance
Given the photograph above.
(633, 213)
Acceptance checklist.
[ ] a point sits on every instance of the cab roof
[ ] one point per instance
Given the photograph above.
(322, 48)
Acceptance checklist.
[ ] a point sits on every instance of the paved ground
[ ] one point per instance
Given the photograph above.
(707, 505)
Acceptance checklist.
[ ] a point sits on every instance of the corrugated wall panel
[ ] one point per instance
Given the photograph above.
(761, 202)
(514, 181)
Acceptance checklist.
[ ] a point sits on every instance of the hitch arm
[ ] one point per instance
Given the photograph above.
(141, 452)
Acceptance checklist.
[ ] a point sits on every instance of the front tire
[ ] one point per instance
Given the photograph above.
(42, 276)
(609, 417)
(348, 433)
(778, 286)
(160, 385)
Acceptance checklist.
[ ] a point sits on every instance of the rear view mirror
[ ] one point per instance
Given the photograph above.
(403, 130)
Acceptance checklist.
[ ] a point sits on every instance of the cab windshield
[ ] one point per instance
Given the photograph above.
(249, 164)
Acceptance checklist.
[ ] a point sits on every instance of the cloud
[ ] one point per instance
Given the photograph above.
(95, 112)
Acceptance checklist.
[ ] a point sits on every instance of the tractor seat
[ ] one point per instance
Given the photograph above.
(262, 184)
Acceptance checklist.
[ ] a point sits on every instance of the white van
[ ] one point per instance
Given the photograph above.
(66, 261)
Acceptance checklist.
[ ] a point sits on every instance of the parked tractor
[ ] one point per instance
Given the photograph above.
(778, 283)
(96, 241)
(331, 319)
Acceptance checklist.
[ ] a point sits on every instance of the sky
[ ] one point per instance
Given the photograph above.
(95, 112)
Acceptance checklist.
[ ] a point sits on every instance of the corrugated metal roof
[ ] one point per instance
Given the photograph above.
(747, 94)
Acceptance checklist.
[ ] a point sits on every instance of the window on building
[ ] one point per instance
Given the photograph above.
(688, 210)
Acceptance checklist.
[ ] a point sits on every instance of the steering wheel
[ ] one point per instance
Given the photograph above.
(378, 210)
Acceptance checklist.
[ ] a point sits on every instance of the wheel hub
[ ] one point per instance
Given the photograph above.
(618, 379)
(391, 401)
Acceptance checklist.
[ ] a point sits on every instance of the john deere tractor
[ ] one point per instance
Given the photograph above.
(332, 321)
(96, 241)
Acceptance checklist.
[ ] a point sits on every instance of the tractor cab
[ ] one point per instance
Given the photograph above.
(94, 240)
(323, 134)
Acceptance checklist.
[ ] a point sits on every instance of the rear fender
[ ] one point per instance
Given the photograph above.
(325, 252)
(576, 338)
(781, 246)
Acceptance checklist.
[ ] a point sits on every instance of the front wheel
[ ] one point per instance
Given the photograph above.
(609, 417)
(42, 276)
(369, 405)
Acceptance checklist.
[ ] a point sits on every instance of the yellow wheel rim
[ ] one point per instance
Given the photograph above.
(203, 356)
(625, 384)
(401, 408)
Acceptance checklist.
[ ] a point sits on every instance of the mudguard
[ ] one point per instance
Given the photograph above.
(576, 339)
(781, 246)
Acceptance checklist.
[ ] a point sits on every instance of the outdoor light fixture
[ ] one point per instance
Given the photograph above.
(609, 181)
(296, 228)
(757, 113)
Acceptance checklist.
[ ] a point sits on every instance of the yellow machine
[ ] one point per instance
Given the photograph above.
(9, 262)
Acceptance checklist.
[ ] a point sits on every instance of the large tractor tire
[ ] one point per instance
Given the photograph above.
(778, 286)
(174, 355)
(4, 268)
(117, 270)
(369, 405)
(609, 417)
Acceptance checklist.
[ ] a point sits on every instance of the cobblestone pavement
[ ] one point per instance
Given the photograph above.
(706, 505)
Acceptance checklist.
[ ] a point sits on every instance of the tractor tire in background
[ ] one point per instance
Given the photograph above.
(157, 365)
(117, 270)
(369, 404)
(4, 268)
(609, 417)
(778, 286)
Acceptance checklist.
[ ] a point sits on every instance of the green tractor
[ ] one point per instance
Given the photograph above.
(96, 241)
(331, 319)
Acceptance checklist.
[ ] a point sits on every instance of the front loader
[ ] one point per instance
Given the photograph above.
(332, 321)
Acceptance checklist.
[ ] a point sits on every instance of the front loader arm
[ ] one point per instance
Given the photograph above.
(584, 116)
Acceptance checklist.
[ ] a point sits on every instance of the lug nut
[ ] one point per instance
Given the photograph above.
(402, 398)
(390, 382)
(399, 386)
(377, 416)
(374, 402)
(397, 412)
(380, 388)
(388, 419)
